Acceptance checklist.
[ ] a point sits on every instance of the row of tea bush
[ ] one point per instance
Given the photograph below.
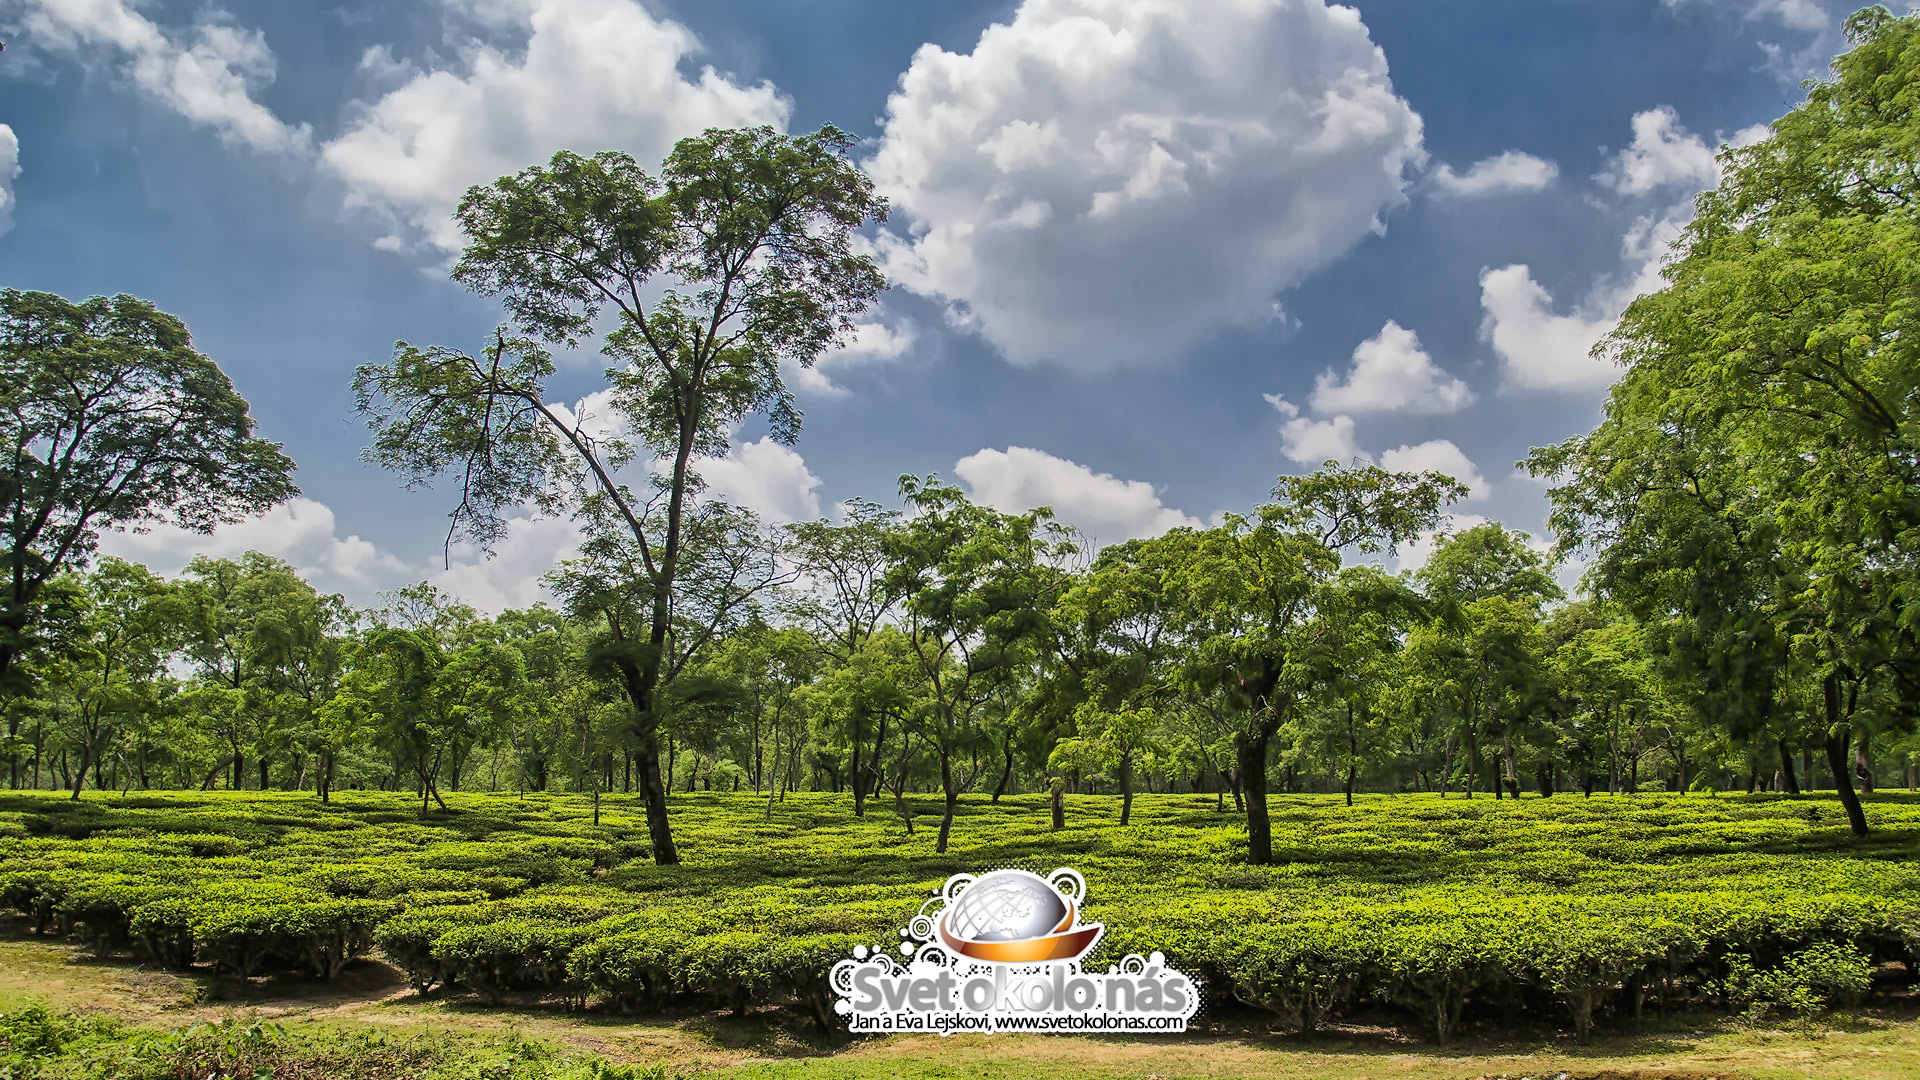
(1563, 909)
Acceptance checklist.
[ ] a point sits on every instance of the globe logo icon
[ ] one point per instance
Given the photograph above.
(1015, 916)
(1008, 905)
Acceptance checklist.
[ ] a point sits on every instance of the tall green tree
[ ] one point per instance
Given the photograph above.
(113, 671)
(977, 587)
(1486, 655)
(1248, 594)
(110, 419)
(739, 258)
(1782, 359)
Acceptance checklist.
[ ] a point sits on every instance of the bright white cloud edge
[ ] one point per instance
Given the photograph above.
(208, 77)
(1105, 183)
(1512, 170)
(593, 75)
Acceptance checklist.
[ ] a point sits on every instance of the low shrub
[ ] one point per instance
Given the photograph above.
(1802, 984)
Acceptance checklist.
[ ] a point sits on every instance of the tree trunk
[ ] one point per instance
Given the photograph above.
(1863, 761)
(859, 780)
(1787, 778)
(1006, 774)
(1059, 804)
(1126, 787)
(1353, 753)
(1839, 734)
(1510, 773)
(952, 798)
(647, 757)
(1473, 758)
(1251, 751)
(774, 780)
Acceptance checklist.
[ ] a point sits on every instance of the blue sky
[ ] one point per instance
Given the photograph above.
(1148, 254)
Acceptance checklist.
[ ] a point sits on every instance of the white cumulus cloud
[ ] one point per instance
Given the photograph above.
(1441, 456)
(1663, 154)
(1508, 171)
(873, 341)
(1542, 350)
(1310, 442)
(1103, 507)
(302, 532)
(1390, 373)
(9, 171)
(512, 576)
(593, 75)
(1105, 183)
(208, 76)
(765, 477)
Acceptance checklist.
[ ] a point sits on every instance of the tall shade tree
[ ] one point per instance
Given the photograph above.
(257, 631)
(111, 420)
(113, 670)
(1250, 593)
(1364, 620)
(977, 587)
(844, 596)
(739, 258)
(1784, 355)
(1485, 655)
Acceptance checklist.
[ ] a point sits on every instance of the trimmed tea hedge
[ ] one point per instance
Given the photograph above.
(1566, 909)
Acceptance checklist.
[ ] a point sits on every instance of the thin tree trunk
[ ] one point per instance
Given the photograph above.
(1473, 758)
(1006, 774)
(952, 798)
(859, 780)
(1838, 737)
(1863, 761)
(1787, 778)
(1353, 752)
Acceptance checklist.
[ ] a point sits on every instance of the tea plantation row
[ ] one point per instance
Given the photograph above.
(1562, 908)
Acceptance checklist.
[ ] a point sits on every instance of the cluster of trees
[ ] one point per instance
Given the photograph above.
(944, 650)
(1749, 501)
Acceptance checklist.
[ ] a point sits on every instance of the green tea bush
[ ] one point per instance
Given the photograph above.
(1802, 984)
(1568, 910)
